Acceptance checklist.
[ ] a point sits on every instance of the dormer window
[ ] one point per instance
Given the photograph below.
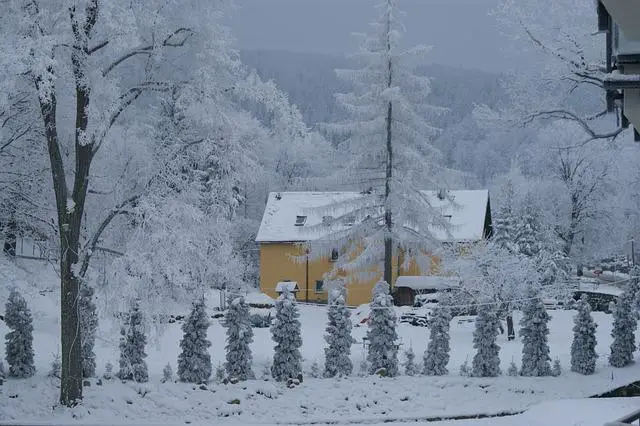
(300, 220)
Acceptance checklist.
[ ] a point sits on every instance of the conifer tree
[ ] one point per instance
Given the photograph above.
(534, 331)
(583, 348)
(338, 353)
(623, 333)
(386, 138)
(486, 362)
(88, 329)
(19, 341)
(382, 335)
(410, 367)
(504, 223)
(436, 357)
(194, 361)
(132, 347)
(528, 228)
(239, 358)
(285, 331)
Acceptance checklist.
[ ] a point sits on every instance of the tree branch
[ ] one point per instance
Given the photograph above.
(177, 38)
(561, 114)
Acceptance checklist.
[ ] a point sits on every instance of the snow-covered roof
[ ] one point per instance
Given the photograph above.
(284, 209)
(256, 298)
(427, 282)
(292, 286)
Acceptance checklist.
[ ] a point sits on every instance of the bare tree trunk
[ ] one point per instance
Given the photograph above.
(11, 238)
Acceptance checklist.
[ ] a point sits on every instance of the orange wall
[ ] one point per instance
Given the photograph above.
(277, 264)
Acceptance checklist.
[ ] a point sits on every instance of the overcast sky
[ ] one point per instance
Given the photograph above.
(461, 31)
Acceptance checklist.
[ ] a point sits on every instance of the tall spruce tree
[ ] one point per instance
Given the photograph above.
(534, 331)
(436, 357)
(623, 333)
(194, 361)
(132, 347)
(583, 348)
(528, 228)
(382, 336)
(88, 329)
(19, 341)
(338, 352)
(386, 139)
(504, 233)
(285, 331)
(486, 361)
(239, 358)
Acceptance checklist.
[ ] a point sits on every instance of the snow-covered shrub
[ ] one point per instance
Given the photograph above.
(486, 361)
(436, 357)
(338, 354)
(56, 367)
(108, 371)
(465, 370)
(534, 331)
(221, 374)
(194, 361)
(583, 348)
(260, 320)
(363, 370)
(410, 367)
(239, 337)
(285, 331)
(556, 370)
(382, 335)
(3, 372)
(88, 328)
(513, 369)
(19, 341)
(623, 333)
(167, 373)
(132, 347)
(315, 370)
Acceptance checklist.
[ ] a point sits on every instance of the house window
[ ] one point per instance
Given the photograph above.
(447, 216)
(334, 255)
(319, 286)
(300, 220)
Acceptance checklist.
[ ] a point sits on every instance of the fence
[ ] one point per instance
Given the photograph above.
(626, 420)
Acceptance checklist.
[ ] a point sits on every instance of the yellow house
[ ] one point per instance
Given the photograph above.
(291, 218)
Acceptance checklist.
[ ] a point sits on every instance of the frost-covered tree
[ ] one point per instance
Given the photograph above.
(385, 138)
(167, 373)
(89, 326)
(19, 341)
(486, 361)
(527, 229)
(436, 357)
(534, 331)
(504, 232)
(623, 333)
(337, 354)
(239, 359)
(96, 72)
(410, 367)
(382, 335)
(495, 273)
(194, 361)
(132, 347)
(583, 348)
(285, 331)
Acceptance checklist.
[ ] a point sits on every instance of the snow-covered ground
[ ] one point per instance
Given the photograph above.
(357, 399)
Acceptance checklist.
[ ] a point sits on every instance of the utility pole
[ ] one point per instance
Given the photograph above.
(633, 253)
